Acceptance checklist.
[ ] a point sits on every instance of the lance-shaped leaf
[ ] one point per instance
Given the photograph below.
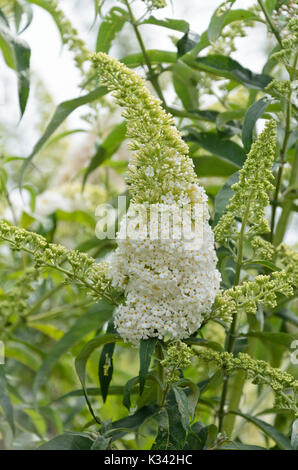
(69, 441)
(105, 366)
(93, 319)
(17, 56)
(145, 351)
(253, 113)
(63, 110)
(110, 26)
(5, 402)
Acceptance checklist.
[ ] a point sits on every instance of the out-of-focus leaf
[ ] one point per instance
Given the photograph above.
(132, 423)
(204, 342)
(5, 402)
(145, 351)
(294, 435)
(17, 55)
(82, 358)
(19, 352)
(227, 67)
(93, 319)
(176, 25)
(282, 441)
(213, 166)
(261, 262)
(252, 115)
(101, 443)
(185, 85)
(111, 25)
(282, 339)
(223, 197)
(192, 397)
(63, 110)
(22, 9)
(156, 57)
(104, 151)
(92, 391)
(223, 148)
(69, 441)
(219, 21)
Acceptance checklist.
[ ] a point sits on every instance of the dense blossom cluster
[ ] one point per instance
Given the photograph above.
(178, 358)
(170, 284)
(284, 385)
(251, 191)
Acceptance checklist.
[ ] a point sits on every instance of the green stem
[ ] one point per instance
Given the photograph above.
(270, 23)
(160, 374)
(231, 336)
(281, 166)
(152, 75)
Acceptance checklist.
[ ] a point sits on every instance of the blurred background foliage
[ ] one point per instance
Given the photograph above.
(54, 114)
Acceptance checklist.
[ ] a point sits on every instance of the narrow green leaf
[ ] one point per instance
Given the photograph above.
(104, 151)
(133, 422)
(63, 110)
(101, 443)
(155, 56)
(145, 351)
(93, 319)
(252, 115)
(176, 25)
(187, 43)
(223, 148)
(223, 197)
(261, 262)
(186, 85)
(294, 435)
(111, 25)
(282, 441)
(213, 166)
(282, 339)
(17, 55)
(69, 441)
(217, 20)
(128, 388)
(204, 342)
(5, 402)
(229, 68)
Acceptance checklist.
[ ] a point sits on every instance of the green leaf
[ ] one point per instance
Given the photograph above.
(69, 441)
(282, 441)
(218, 22)
(253, 114)
(213, 166)
(82, 358)
(128, 388)
(106, 360)
(22, 8)
(192, 397)
(93, 319)
(223, 148)
(63, 110)
(187, 43)
(133, 422)
(111, 25)
(155, 56)
(145, 351)
(270, 5)
(294, 435)
(104, 151)
(261, 262)
(240, 446)
(185, 85)
(101, 443)
(204, 342)
(92, 391)
(173, 422)
(176, 25)
(17, 55)
(282, 339)
(5, 402)
(229, 68)
(223, 197)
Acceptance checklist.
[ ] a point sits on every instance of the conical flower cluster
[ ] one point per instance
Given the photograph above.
(170, 282)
